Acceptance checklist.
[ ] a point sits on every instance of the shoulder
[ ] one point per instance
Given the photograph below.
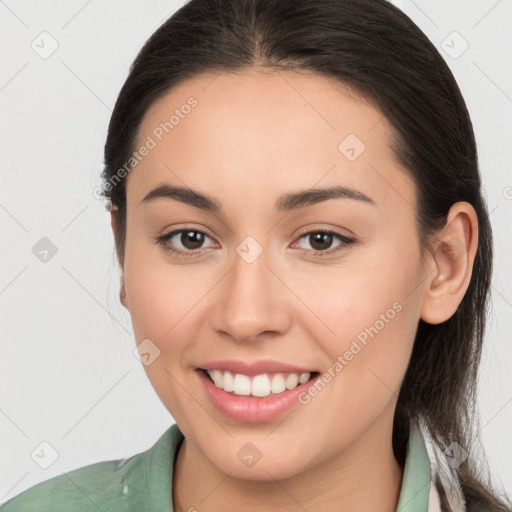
(87, 488)
(107, 485)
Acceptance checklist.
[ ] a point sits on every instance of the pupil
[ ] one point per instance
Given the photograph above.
(192, 239)
(321, 238)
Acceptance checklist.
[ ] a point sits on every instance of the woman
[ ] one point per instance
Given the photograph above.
(306, 257)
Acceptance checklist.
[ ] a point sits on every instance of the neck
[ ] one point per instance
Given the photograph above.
(364, 476)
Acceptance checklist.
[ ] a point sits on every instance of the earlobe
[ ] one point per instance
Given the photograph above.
(122, 293)
(453, 259)
(113, 219)
(122, 286)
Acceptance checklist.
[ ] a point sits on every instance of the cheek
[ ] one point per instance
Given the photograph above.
(164, 303)
(160, 295)
(363, 290)
(367, 311)
(168, 305)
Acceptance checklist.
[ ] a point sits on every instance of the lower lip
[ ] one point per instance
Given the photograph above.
(251, 409)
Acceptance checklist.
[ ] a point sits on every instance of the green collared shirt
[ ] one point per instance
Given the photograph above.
(143, 482)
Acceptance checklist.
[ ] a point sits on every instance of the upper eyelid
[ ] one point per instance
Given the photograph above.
(310, 230)
(344, 239)
(303, 231)
(168, 236)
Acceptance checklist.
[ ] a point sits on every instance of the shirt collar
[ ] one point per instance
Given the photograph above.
(430, 482)
(414, 494)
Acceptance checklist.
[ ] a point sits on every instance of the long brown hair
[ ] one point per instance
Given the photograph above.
(375, 48)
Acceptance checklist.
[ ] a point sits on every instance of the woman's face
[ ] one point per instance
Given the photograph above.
(258, 283)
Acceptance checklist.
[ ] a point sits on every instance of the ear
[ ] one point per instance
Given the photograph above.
(122, 286)
(122, 293)
(451, 264)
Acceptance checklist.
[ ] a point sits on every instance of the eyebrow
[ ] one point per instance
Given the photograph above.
(286, 202)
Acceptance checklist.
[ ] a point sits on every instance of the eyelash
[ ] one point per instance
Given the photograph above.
(345, 242)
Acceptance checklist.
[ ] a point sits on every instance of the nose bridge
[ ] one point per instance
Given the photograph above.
(250, 301)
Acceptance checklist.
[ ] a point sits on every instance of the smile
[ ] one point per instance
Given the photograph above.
(255, 396)
(258, 385)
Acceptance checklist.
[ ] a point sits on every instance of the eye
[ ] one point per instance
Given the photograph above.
(321, 241)
(190, 239)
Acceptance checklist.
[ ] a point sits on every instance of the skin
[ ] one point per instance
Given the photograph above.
(252, 137)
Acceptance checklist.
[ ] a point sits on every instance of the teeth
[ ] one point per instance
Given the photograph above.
(278, 383)
(304, 377)
(242, 385)
(259, 385)
(228, 382)
(216, 376)
(291, 381)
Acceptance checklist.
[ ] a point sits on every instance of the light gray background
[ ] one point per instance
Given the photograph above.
(68, 373)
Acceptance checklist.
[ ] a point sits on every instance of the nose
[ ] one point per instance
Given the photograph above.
(251, 302)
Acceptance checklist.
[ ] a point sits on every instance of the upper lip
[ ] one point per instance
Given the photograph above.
(254, 367)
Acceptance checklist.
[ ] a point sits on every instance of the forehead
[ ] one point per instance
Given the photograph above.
(266, 132)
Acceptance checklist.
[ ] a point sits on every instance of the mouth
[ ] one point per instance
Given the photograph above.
(257, 386)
